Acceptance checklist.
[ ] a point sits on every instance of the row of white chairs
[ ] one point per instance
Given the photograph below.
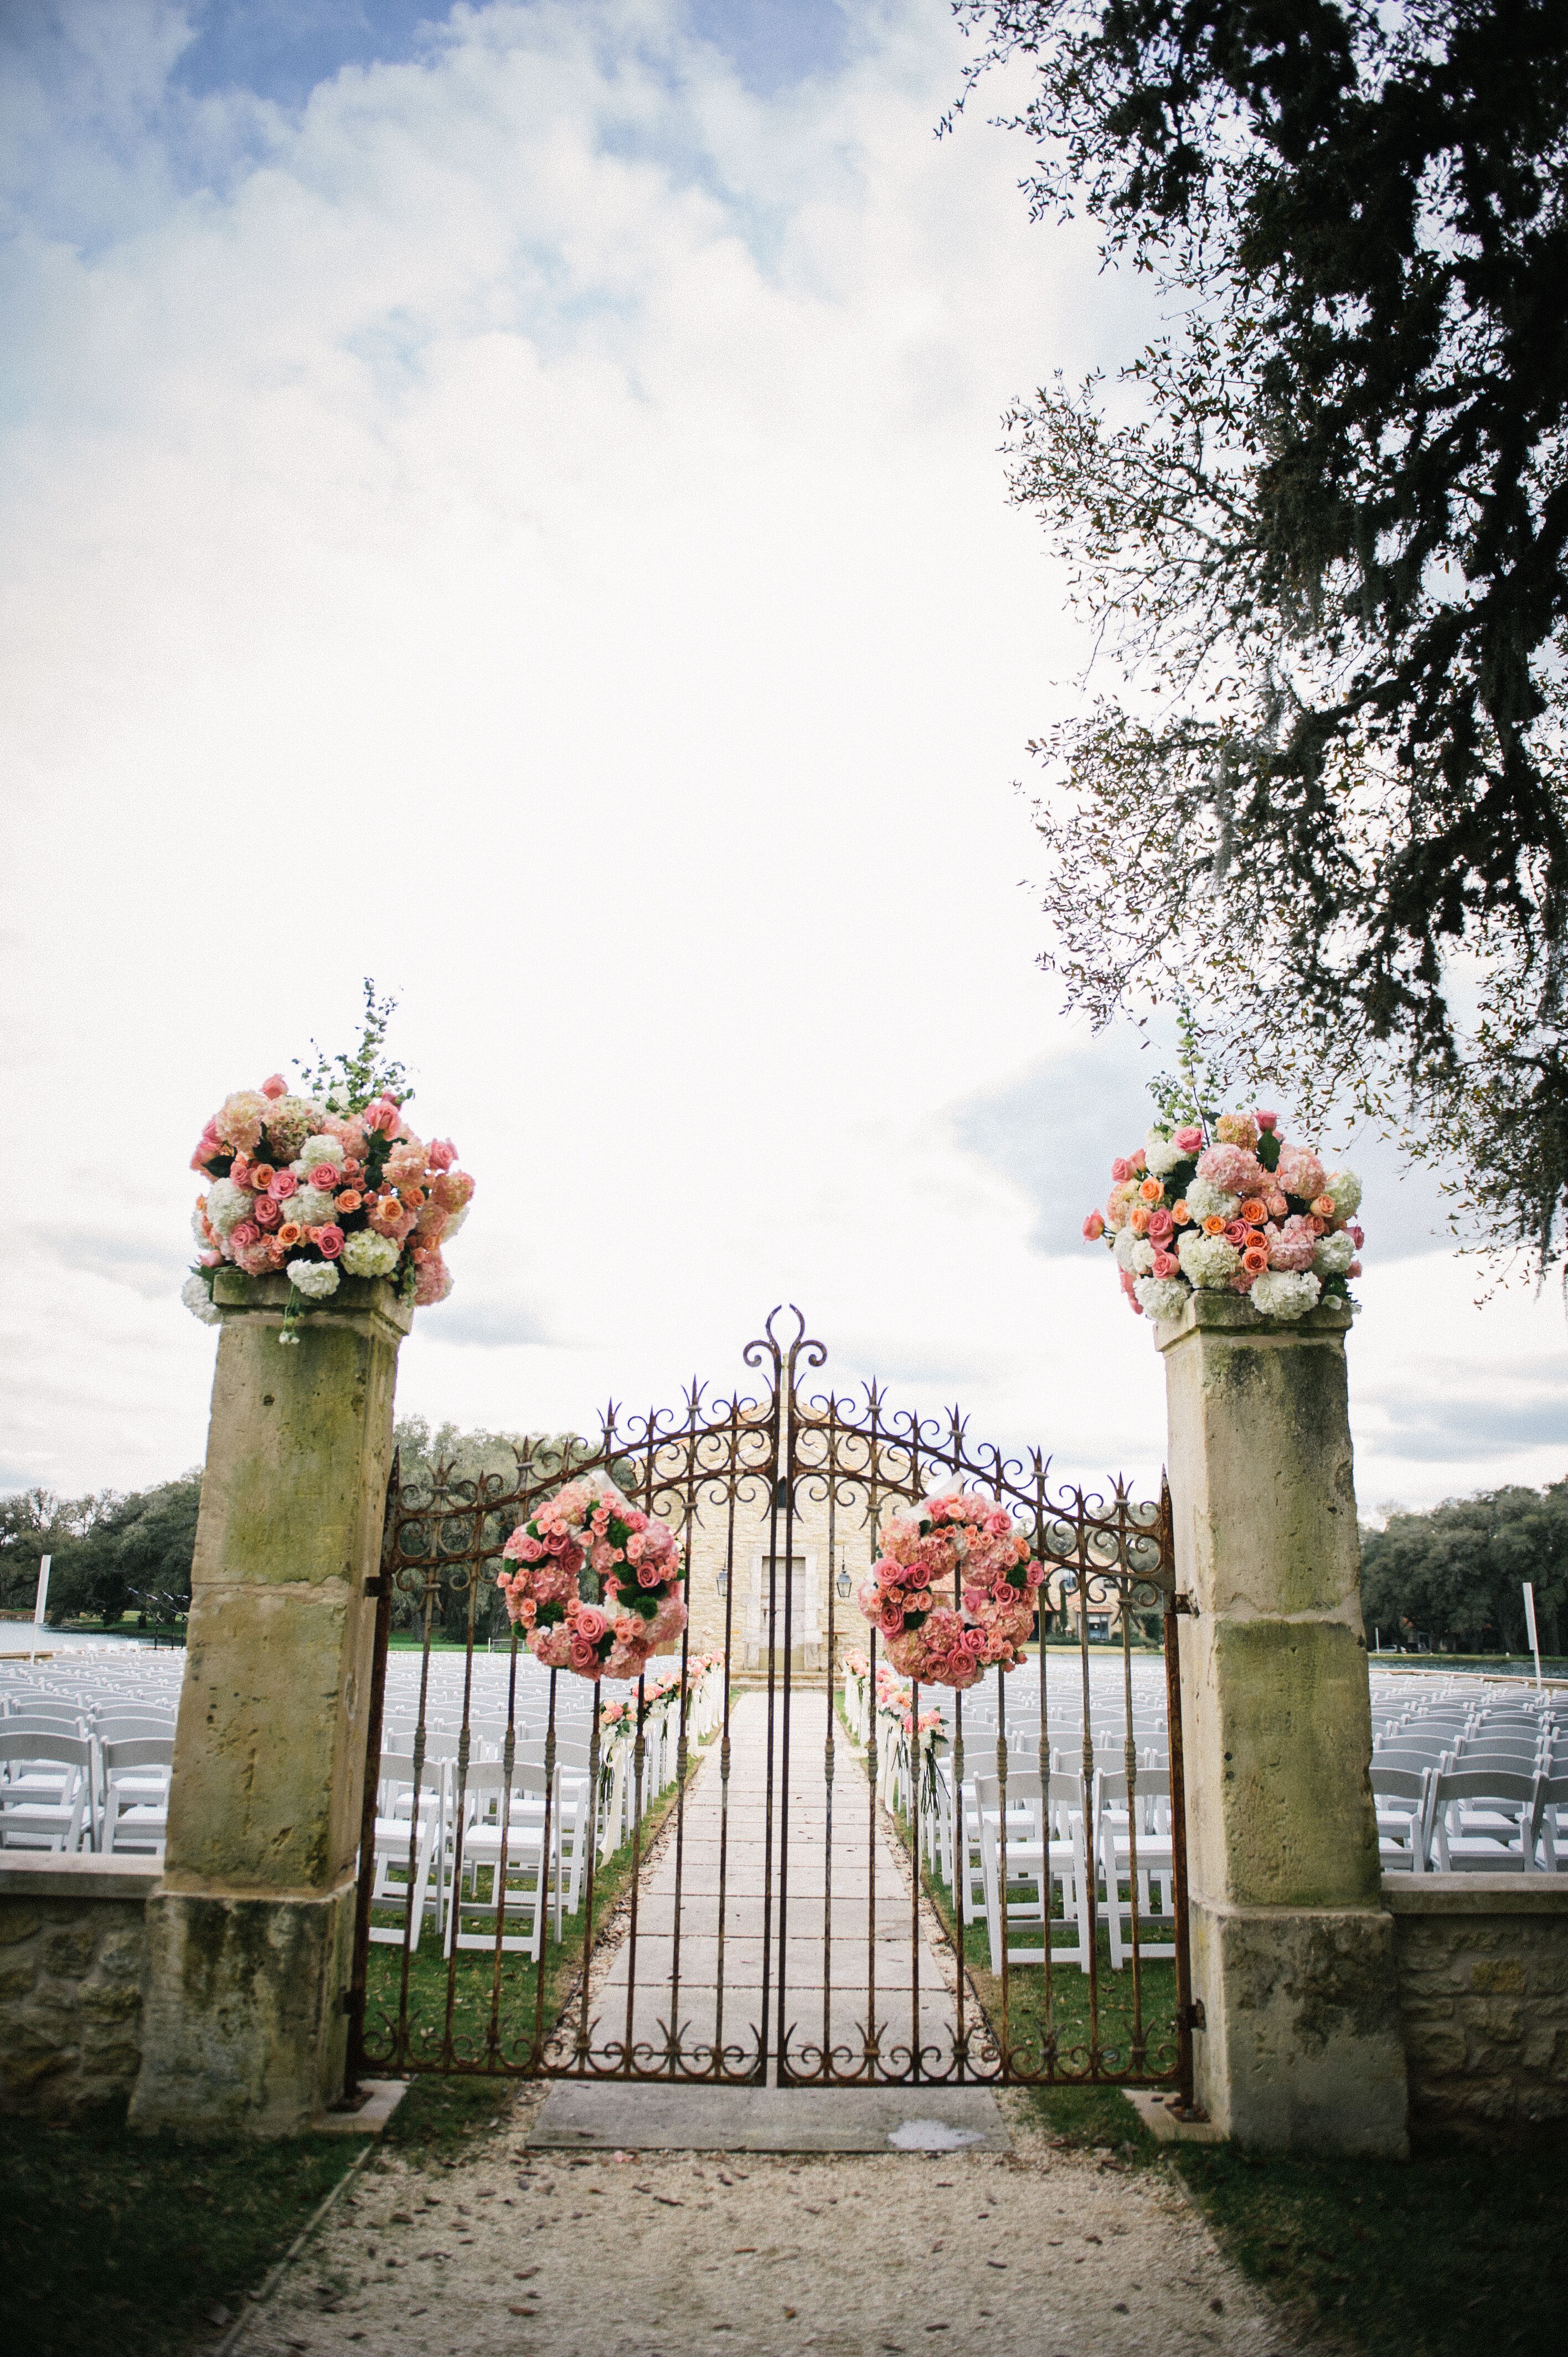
(76, 1792)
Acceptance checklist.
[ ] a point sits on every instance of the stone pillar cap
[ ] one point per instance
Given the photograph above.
(360, 1296)
(1234, 1314)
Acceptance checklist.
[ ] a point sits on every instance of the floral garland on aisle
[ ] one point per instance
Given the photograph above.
(961, 1533)
(587, 1533)
(1240, 1213)
(314, 1190)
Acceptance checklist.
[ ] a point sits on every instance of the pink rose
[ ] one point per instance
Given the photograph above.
(591, 1624)
(1166, 1265)
(383, 1114)
(584, 1656)
(282, 1185)
(1093, 1228)
(210, 1258)
(267, 1212)
(1266, 1120)
(1136, 1162)
(648, 1575)
(1189, 1139)
(1354, 1269)
(276, 1087)
(1121, 1168)
(1160, 1225)
(243, 1236)
(324, 1176)
(441, 1154)
(1237, 1233)
(1358, 1236)
(329, 1242)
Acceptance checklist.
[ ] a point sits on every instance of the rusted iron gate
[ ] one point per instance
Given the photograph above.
(717, 1472)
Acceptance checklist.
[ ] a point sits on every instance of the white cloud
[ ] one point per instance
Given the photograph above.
(528, 525)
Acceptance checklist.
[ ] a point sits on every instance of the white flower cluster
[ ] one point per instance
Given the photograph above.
(314, 1278)
(1206, 1201)
(199, 1302)
(1346, 1190)
(311, 1206)
(1285, 1293)
(1332, 1256)
(227, 1204)
(1207, 1261)
(1162, 1154)
(319, 1149)
(367, 1254)
(1162, 1298)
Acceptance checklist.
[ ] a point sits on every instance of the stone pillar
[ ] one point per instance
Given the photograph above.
(249, 1935)
(1292, 1952)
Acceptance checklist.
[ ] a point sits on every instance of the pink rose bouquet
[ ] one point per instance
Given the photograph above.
(952, 1590)
(1235, 1209)
(317, 1188)
(595, 1582)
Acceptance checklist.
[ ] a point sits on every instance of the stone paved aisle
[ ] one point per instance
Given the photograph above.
(831, 1945)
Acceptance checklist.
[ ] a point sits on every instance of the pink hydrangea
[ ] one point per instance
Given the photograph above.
(1232, 1169)
(1292, 1245)
(1299, 1172)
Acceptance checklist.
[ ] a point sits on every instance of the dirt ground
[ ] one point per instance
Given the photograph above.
(1040, 2250)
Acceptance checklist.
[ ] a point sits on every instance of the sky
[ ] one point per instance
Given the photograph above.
(508, 501)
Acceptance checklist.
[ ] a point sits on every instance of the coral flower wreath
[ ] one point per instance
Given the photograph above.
(958, 1533)
(632, 1563)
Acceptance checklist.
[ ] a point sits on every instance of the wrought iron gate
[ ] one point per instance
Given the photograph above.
(775, 1863)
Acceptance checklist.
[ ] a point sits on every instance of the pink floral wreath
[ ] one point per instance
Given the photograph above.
(957, 1531)
(587, 1535)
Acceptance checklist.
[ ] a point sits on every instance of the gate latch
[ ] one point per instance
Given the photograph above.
(1181, 1602)
(376, 1585)
(1193, 2016)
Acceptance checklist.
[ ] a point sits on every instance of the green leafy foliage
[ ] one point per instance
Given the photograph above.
(1322, 525)
(347, 1082)
(1455, 1574)
(112, 1554)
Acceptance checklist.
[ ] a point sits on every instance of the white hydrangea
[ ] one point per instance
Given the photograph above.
(453, 1222)
(1334, 1254)
(1346, 1190)
(227, 1204)
(320, 1149)
(314, 1278)
(1125, 1245)
(1285, 1293)
(1143, 1257)
(368, 1254)
(1162, 1298)
(1207, 1261)
(199, 1302)
(1162, 1153)
(197, 1230)
(313, 1207)
(1207, 1202)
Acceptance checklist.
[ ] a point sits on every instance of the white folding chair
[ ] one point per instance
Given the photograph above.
(499, 1812)
(136, 1771)
(46, 1798)
(1401, 1797)
(394, 1889)
(1140, 1827)
(1479, 1817)
(1044, 1853)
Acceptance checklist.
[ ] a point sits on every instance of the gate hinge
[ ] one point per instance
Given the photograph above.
(1181, 1602)
(1193, 2016)
(376, 1585)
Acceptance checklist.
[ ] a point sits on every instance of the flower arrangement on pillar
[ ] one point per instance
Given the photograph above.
(324, 1185)
(955, 1537)
(1229, 1207)
(596, 1582)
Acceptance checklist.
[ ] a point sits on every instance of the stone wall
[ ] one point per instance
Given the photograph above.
(71, 1940)
(1483, 1983)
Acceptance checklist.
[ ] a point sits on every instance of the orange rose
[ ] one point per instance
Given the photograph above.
(1213, 1226)
(1253, 1212)
(1255, 1259)
(1139, 1222)
(289, 1234)
(1151, 1190)
(1323, 1208)
(349, 1201)
(1180, 1213)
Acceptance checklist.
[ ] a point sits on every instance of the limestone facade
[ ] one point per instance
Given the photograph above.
(72, 1943)
(1482, 1993)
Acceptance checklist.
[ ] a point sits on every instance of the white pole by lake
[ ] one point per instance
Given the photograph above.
(43, 1597)
(1529, 1588)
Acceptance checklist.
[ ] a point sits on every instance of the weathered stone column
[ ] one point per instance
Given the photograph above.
(248, 1934)
(1293, 1953)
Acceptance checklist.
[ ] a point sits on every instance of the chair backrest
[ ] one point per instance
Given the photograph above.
(65, 1750)
(1482, 1785)
(1149, 1784)
(1398, 1783)
(138, 1751)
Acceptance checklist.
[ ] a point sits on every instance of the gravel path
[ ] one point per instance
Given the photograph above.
(514, 2253)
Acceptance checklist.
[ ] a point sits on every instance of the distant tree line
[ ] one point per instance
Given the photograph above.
(112, 1553)
(1453, 1577)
